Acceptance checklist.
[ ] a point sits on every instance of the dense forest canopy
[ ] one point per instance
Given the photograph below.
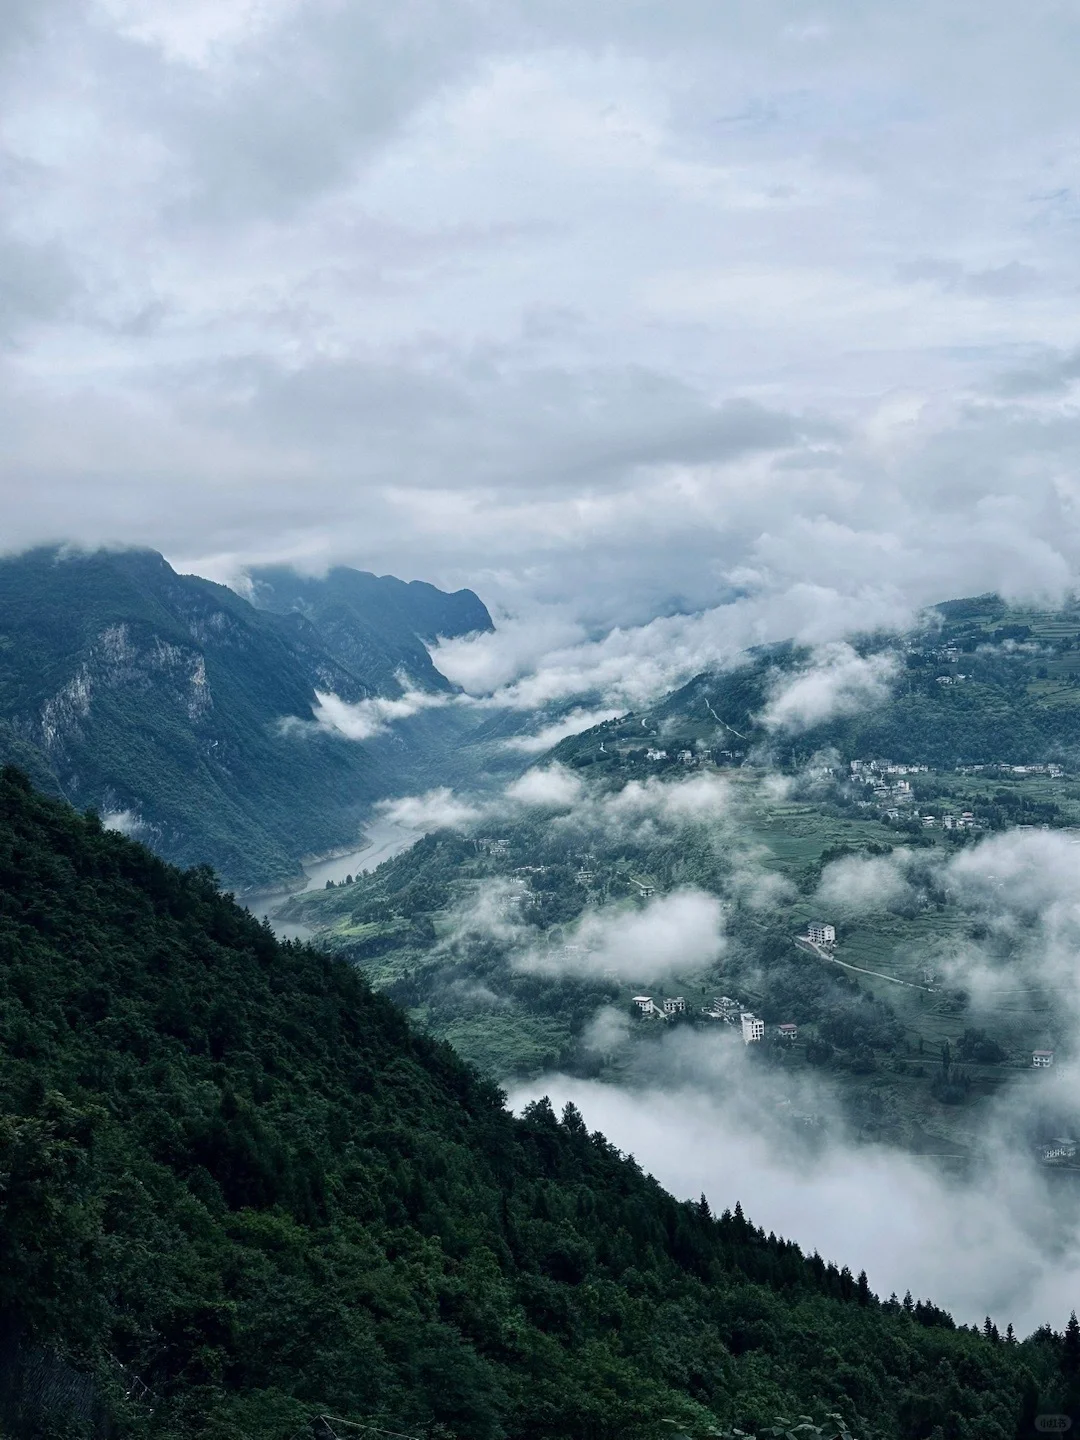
(239, 1192)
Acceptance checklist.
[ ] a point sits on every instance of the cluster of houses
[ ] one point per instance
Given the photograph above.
(871, 768)
(964, 821)
(878, 770)
(723, 1008)
(670, 1006)
(1058, 1152)
(684, 757)
(731, 1012)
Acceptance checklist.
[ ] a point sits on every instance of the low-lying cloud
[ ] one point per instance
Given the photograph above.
(839, 682)
(672, 934)
(857, 884)
(364, 719)
(438, 809)
(571, 724)
(536, 659)
(1019, 892)
(997, 1244)
(552, 788)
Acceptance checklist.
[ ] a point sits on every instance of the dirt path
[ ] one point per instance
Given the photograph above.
(823, 954)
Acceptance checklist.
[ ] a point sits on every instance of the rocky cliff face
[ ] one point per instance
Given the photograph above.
(179, 705)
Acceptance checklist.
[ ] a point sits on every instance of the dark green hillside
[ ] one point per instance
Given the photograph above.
(979, 684)
(133, 689)
(237, 1192)
(374, 624)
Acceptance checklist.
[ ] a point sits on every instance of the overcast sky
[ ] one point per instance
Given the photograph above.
(627, 306)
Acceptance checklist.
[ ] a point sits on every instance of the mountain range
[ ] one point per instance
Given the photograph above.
(187, 712)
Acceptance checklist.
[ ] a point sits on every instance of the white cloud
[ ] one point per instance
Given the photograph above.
(490, 909)
(631, 666)
(994, 1245)
(436, 810)
(608, 1030)
(864, 883)
(615, 314)
(671, 934)
(839, 682)
(698, 799)
(571, 724)
(126, 822)
(551, 788)
(364, 719)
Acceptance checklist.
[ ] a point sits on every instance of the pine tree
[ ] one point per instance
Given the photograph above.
(1070, 1349)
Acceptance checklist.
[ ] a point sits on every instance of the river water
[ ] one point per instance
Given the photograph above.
(383, 839)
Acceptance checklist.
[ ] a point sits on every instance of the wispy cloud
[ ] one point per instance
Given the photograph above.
(675, 933)
(549, 735)
(839, 681)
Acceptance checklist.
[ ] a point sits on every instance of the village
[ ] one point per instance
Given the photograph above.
(819, 938)
(723, 1008)
(888, 793)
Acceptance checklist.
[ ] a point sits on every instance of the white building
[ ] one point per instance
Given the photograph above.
(1058, 1150)
(753, 1029)
(645, 1005)
(1042, 1059)
(820, 933)
(674, 1005)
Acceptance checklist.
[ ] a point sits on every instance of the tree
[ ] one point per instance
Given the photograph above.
(1070, 1348)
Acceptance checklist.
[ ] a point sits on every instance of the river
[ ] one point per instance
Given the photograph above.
(383, 839)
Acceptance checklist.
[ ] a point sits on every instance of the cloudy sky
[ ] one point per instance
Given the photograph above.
(613, 306)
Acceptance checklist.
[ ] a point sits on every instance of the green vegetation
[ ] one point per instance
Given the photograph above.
(978, 684)
(875, 1019)
(873, 1045)
(168, 699)
(374, 625)
(238, 1192)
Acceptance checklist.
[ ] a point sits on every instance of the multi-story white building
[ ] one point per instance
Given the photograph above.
(753, 1029)
(1042, 1059)
(674, 1005)
(820, 933)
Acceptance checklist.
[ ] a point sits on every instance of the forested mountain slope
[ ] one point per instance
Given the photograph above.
(374, 624)
(977, 683)
(239, 1192)
(162, 697)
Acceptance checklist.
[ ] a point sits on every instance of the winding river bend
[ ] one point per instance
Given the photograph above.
(383, 839)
